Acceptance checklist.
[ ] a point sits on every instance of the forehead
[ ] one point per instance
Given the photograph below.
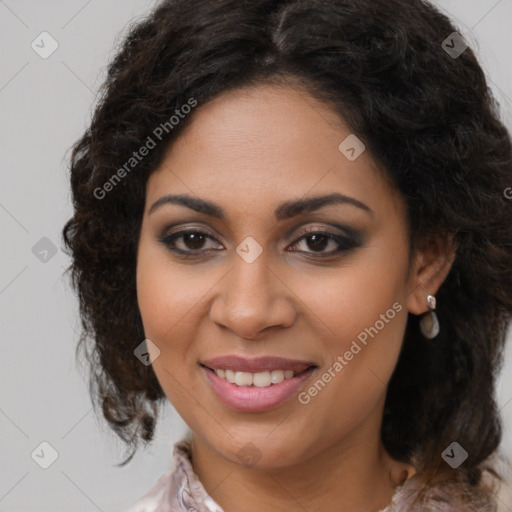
(260, 145)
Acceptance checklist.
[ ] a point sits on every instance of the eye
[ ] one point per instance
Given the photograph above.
(192, 241)
(317, 241)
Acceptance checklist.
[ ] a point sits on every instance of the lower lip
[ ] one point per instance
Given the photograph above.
(252, 398)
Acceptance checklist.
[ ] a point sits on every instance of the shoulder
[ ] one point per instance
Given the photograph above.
(156, 499)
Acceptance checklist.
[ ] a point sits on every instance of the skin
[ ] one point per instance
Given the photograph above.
(248, 151)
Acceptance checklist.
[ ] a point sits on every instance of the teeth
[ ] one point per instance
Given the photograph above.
(243, 379)
(259, 379)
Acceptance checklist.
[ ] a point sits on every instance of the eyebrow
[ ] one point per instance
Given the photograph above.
(284, 211)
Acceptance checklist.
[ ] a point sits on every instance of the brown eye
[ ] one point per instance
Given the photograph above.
(191, 241)
(194, 240)
(318, 241)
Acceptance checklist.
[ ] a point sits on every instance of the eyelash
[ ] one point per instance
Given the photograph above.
(346, 243)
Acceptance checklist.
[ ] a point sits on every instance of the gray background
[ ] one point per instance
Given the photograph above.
(45, 106)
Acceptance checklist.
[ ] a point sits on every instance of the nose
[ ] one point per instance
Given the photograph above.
(252, 298)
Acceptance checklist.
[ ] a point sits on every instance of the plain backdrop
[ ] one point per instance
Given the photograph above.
(45, 105)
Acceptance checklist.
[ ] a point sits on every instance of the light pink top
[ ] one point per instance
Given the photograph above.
(180, 490)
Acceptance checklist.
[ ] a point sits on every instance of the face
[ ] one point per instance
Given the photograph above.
(250, 277)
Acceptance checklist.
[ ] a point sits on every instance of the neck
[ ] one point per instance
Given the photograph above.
(353, 474)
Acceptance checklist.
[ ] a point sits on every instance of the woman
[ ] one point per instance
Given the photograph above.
(290, 222)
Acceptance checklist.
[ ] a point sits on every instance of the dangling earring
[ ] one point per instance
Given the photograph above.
(429, 324)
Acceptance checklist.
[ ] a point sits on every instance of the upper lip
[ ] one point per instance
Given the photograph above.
(256, 364)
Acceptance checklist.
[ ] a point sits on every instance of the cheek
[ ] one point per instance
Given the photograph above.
(360, 347)
(169, 303)
(357, 297)
(172, 300)
(360, 314)
(165, 297)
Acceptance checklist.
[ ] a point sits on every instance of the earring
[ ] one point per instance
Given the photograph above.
(429, 324)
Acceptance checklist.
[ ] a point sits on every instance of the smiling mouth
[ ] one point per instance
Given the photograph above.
(255, 385)
(261, 379)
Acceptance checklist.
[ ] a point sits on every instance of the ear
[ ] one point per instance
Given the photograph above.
(431, 265)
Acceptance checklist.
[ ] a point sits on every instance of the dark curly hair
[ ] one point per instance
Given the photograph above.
(426, 116)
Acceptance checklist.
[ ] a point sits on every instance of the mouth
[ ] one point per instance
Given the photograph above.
(261, 379)
(252, 385)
